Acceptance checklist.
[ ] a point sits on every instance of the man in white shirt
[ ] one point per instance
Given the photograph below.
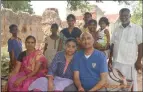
(126, 48)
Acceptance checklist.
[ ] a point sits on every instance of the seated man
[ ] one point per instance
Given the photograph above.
(90, 66)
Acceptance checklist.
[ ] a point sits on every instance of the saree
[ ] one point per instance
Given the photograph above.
(27, 66)
(59, 84)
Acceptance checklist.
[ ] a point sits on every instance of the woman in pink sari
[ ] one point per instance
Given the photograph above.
(31, 65)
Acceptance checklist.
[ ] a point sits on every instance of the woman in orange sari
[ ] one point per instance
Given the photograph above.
(31, 65)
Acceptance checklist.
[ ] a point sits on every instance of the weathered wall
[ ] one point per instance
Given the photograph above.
(35, 25)
(27, 25)
(49, 16)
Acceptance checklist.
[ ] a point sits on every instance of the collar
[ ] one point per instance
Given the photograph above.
(130, 25)
(14, 38)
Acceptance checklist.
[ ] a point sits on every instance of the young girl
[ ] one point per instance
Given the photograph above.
(51, 43)
(103, 36)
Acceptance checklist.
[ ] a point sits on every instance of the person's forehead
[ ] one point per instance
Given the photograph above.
(30, 39)
(70, 18)
(102, 22)
(87, 15)
(54, 27)
(70, 43)
(15, 27)
(92, 23)
(125, 12)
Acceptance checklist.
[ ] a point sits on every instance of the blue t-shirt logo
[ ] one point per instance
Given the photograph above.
(93, 65)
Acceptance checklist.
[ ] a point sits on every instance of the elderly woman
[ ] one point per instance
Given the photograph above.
(60, 73)
(31, 64)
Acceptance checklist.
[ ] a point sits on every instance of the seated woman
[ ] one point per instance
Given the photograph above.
(60, 73)
(31, 65)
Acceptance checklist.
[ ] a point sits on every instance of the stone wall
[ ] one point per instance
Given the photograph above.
(27, 25)
(35, 25)
(50, 16)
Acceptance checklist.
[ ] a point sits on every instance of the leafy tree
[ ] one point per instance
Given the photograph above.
(18, 5)
(84, 4)
(137, 14)
(80, 4)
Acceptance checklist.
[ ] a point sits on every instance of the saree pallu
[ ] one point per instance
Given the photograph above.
(27, 66)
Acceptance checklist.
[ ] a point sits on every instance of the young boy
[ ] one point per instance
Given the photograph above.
(51, 43)
(14, 46)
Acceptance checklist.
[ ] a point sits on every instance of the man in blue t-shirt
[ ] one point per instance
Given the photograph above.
(90, 66)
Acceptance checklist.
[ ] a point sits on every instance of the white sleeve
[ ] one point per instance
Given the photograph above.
(139, 37)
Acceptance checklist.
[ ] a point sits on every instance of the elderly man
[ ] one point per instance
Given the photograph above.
(90, 66)
(126, 43)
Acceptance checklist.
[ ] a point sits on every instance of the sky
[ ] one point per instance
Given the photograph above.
(109, 7)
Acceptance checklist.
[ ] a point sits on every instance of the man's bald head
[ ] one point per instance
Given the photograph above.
(85, 34)
(87, 40)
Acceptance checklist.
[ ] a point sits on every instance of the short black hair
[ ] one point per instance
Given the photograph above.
(55, 25)
(87, 13)
(12, 26)
(71, 16)
(105, 20)
(30, 36)
(71, 39)
(92, 21)
(124, 9)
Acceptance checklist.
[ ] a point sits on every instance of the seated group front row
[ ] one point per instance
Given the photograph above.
(70, 70)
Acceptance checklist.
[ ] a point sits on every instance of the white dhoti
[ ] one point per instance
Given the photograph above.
(128, 71)
(42, 84)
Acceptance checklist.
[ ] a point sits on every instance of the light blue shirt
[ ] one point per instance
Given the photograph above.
(16, 46)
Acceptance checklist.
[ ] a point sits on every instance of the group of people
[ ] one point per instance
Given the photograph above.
(78, 58)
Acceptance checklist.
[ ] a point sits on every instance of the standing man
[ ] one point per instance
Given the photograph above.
(126, 48)
(92, 28)
(14, 46)
(90, 66)
(87, 17)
